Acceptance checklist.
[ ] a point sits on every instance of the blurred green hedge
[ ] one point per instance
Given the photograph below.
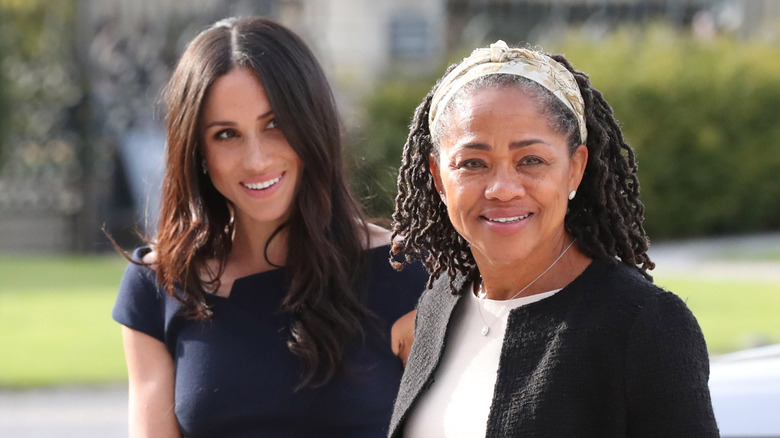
(703, 116)
(377, 145)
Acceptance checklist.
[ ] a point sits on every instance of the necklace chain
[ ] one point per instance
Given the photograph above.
(482, 293)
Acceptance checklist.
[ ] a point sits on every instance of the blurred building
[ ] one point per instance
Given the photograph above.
(526, 21)
(85, 149)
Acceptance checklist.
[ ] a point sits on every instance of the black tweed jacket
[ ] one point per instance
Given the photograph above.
(610, 355)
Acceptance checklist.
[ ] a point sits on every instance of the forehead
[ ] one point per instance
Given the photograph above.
(490, 107)
(463, 100)
(237, 92)
(493, 101)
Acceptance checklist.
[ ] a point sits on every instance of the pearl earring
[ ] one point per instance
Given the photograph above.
(204, 166)
(572, 194)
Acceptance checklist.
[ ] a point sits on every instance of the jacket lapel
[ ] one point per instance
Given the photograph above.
(430, 331)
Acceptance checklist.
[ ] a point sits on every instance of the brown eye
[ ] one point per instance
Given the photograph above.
(531, 161)
(225, 134)
(472, 164)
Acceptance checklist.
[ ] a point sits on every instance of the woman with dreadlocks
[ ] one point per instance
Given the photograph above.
(520, 196)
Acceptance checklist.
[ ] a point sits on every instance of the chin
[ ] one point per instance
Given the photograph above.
(499, 253)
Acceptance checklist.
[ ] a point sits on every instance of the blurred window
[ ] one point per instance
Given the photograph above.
(410, 37)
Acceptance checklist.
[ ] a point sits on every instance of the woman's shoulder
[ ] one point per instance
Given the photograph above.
(444, 292)
(379, 248)
(390, 291)
(140, 271)
(412, 275)
(445, 284)
(620, 299)
(630, 290)
(140, 277)
(141, 302)
(378, 236)
(146, 255)
(610, 274)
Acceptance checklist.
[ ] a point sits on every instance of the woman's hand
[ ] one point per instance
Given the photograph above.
(150, 372)
(402, 335)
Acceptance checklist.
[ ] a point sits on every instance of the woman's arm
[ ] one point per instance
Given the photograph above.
(151, 378)
(667, 370)
(402, 335)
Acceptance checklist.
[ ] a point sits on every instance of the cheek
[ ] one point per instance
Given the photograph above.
(451, 185)
(462, 184)
(296, 162)
(460, 189)
(213, 156)
(463, 199)
(552, 193)
(219, 166)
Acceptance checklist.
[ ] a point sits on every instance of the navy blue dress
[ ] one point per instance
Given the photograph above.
(235, 376)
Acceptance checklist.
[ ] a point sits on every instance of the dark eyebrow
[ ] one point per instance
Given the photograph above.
(228, 123)
(514, 145)
(525, 143)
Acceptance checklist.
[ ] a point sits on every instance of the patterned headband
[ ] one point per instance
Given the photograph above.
(500, 59)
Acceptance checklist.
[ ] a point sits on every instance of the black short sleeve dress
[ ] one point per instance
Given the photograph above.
(235, 376)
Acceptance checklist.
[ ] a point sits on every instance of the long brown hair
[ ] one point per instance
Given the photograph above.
(326, 227)
(605, 217)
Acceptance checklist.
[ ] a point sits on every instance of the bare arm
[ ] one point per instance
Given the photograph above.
(402, 335)
(150, 372)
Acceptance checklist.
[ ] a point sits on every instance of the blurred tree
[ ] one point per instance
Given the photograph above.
(43, 94)
(4, 85)
(703, 117)
(376, 146)
(81, 145)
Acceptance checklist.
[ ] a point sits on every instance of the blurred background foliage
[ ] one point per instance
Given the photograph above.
(44, 116)
(704, 118)
(701, 109)
(376, 146)
(702, 114)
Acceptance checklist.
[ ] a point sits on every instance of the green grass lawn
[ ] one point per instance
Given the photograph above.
(56, 326)
(732, 314)
(55, 320)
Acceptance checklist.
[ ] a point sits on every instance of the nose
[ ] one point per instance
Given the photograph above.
(504, 185)
(257, 156)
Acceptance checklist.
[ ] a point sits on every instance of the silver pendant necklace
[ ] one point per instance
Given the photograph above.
(482, 294)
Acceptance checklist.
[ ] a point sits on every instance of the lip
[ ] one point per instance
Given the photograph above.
(506, 220)
(263, 186)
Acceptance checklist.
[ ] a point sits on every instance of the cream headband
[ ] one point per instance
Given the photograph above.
(500, 59)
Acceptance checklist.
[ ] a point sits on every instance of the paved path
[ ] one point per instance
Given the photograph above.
(720, 258)
(64, 412)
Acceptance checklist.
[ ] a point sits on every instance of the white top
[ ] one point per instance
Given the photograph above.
(458, 402)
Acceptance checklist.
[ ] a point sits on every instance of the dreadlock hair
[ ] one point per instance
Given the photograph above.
(605, 217)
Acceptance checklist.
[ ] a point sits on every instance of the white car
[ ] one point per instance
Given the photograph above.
(745, 389)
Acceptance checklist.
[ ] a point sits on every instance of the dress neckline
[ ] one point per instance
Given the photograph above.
(273, 274)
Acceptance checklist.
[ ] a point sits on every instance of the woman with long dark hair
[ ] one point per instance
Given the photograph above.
(520, 196)
(263, 305)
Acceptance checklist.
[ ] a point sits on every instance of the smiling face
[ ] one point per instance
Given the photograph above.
(249, 160)
(506, 175)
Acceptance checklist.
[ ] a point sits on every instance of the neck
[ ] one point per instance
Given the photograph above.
(536, 274)
(249, 247)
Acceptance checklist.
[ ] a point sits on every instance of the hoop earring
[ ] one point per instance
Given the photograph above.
(572, 194)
